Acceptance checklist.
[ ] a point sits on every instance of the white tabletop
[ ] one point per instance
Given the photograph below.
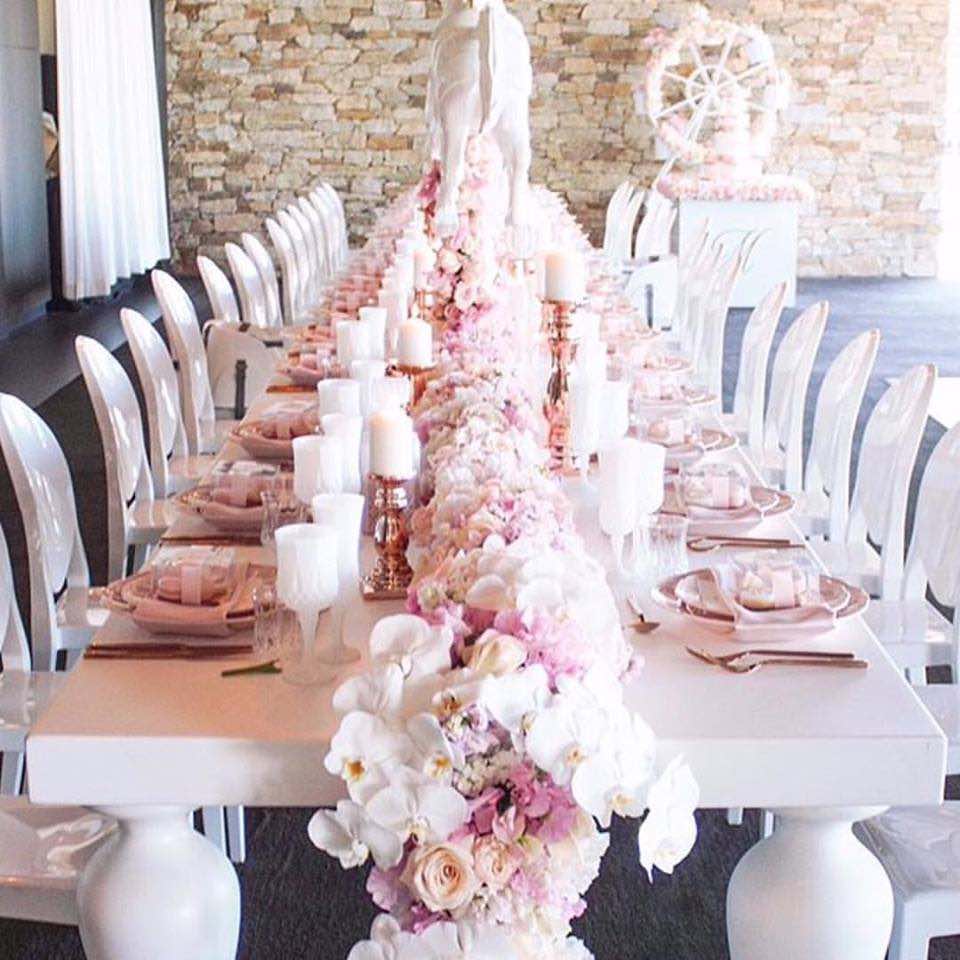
(135, 732)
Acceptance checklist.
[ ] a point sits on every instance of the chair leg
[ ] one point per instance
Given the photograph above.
(767, 823)
(140, 552)
(735, 816)
(11, 773)
(72, 658)
(907, 940)
(236, 834)
(214, 828)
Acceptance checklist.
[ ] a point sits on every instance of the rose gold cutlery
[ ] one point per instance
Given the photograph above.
(212, 541)
(748, 661)
(167, 651)
(708, 544)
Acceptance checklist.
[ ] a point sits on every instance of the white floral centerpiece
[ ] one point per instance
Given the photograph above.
(487, 746)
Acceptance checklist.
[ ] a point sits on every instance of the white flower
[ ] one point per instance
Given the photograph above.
(577, 857)
(363, 750)
(388, 942)
(497, 654)
(615, 780)
(669, 831)
(574, 949)
(348, 834)
(379, 691)
(409, 641)
(516, 696)
(432, 753)
(414, 806)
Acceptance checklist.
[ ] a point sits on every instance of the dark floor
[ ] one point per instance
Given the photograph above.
(298, 903)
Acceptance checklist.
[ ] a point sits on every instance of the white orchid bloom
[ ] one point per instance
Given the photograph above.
(563, 736)
(363, 750)
(478, 941)
(616, 779)
(378, 691)
(453, 692)
(348, 834)
(490, 592)
(515, 697)
(388, 942)
(409, 641)
(413, 806)
(669, 831)
(432, 753)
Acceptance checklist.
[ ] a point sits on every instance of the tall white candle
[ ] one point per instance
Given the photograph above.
(391, 444)
(353, 341)
(565, 277)
(423, 262)
(415, 344)
(376, 320)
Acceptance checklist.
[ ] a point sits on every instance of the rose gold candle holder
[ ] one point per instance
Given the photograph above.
(419, 377)
(557, 318)
(391, 574)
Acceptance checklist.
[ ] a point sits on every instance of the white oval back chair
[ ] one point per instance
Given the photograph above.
(246, 276)
(655, 229)
(307, 291)
(57, 560)
(134, 518)
(173, 469)
(186, 345)
(24, 693)
(259, 254)
(878, 508)
(314, 258)
(697, 296)
(781, 457)
(318, 236)
(289, 271)
(826, 478)
(614, 215)
(341, 216)
(329, 213)
(749, 394)
(223, 303)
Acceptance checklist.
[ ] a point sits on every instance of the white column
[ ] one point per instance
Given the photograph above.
(810, 891)
(158, 890)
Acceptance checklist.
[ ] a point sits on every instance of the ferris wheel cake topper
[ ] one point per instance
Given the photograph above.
(713, 91)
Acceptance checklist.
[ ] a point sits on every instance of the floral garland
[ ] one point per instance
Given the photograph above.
(488, 742)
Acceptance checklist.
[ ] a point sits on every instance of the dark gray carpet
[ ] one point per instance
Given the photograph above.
(298, 903)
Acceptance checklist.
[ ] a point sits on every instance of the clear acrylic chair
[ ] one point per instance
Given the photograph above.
(878, 509)
(174, 469)
(63, 613)
(135, 518)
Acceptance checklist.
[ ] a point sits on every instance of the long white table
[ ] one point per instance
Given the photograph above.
(148, 742)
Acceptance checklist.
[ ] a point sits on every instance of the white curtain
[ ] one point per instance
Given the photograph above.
(112, 190)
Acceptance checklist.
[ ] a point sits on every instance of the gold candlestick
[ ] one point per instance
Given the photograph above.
(557, 320)
(391, 574)
(419, 377)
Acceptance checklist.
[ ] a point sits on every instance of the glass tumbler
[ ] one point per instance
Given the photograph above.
(660, 547)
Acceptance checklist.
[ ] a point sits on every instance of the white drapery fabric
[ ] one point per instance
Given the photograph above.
(112, 186)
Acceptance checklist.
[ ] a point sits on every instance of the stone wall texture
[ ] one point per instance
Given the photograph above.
(268, 96)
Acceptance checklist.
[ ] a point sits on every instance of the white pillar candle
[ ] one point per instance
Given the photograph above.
(423, 263)
(349, 431)
(317, 466)
(365, 372)
(343, 512)
(565, 277)
(585, 416)
(415, 344)
(391, 444)
(619, 470)
(376, 320)
(338, 396)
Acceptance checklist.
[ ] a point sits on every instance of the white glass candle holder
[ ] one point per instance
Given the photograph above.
(365, 372)
(338, 396)
(615, 403)
(349, 431)
(307, 583)
(317, 466)
(376, 320)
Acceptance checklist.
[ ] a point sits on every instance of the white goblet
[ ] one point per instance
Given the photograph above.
(615, 403)
(619, 469)
(307, 583)
(349, 431)
(390, 392)
(338, 396)
(585, 413)
(365, 372)
(343, 512)
(317, 466)
(649, 489)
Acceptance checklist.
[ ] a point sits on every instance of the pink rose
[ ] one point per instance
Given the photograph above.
(494, 862)
(441, 876)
